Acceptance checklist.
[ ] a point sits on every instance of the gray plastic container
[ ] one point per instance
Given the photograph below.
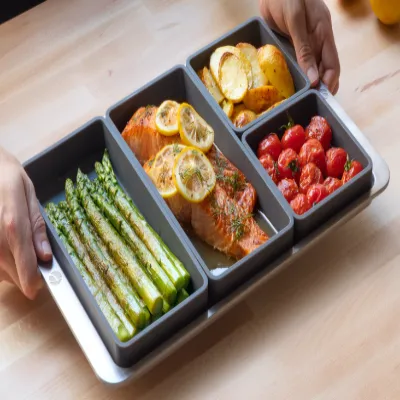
(302, 110)
(256, 32)
(48, 172)
(177, 84)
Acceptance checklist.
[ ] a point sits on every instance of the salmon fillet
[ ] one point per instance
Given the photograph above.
(224, 219)
(142, 136)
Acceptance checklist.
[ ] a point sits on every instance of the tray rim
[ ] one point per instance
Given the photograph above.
(91, 344)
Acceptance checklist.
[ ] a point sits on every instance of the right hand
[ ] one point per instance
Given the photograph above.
(23, 236)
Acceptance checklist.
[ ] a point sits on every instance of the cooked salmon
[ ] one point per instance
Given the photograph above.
(224, 219)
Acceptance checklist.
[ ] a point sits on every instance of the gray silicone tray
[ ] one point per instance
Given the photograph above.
(256, 32)
(178, 85)
(301, 110)
(48, 172)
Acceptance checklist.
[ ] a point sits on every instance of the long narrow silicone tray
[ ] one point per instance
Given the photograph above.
(93, 346)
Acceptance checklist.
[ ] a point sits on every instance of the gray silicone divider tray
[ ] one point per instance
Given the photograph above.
(178, 85)
(48, 172)
(302, 109)
(256, 32)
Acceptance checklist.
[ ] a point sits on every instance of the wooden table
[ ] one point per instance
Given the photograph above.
(328, 327)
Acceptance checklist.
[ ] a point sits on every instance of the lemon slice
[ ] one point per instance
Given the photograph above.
(162, 168)
(193, 175)
(193, 129)
(166, 118)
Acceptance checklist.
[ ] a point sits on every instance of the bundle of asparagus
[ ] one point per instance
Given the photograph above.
(133, 276)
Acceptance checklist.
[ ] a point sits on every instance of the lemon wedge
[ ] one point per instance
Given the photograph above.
(193, 175)
(166, 118)
(194, 131)
(162, 168)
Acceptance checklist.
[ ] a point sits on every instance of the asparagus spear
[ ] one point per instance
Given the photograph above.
(117, 282)
(159, 277)
(120, 251)
(116, 324)
(182, 295)
(171, 265)
(65, 222)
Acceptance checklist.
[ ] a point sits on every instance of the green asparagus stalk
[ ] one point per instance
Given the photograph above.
(66, 224)
(182, 296)
(125, 294)
(120, 251)
(159, 277)
(167, 260)
(116, 324)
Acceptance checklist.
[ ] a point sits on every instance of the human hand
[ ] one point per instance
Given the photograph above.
(22, 229)
(308, 24)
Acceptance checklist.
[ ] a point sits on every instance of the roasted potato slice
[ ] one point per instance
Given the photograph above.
(236, 110)
(243, 118)
(209, 82)
(271, 108)
(262, 98)
(215, 62)
(232, 78)
(227, 106)
(250, 52)
(275, 68)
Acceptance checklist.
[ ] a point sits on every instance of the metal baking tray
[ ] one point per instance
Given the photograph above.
(90, 341)
(256, 32)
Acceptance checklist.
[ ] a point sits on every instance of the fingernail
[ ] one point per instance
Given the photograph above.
(46, 248)
(313, 76)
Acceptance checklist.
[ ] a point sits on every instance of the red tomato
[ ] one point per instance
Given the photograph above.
(351, 170)
(288, 165)
(332, 184)
(300, 204)
(310, 174)
(319, 129)
(313, 152)
(270, 145)
(336, 159)
(270, 166)
(294, 138)
(289, 189)
(316, 193)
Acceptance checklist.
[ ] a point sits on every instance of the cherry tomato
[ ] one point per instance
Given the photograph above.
(319, 129)
(310, 175)
(270, 166)
(270, 145)
(300, 204)
(294, 138)
(289, 189)
(332, 184)
(336, 159)
(351, 169)
(316, 193)
(288, 165)
(312, 151)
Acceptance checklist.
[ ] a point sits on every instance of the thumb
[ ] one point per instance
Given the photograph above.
(297, 27)
(39, 235)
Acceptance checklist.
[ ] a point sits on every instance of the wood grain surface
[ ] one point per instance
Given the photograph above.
(327, 327)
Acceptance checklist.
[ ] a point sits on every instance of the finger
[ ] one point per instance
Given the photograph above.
(330, 61)
(297, 26)
(40, 240)
(19, 236)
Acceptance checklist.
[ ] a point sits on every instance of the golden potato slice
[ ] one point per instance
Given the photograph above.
(243, 118)
(227, 106)
(275, 68)
(262, 98)
(236, 110)
(209, 82)
(215, 62)
(232, 78)
(271, 108)
(250, 52)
